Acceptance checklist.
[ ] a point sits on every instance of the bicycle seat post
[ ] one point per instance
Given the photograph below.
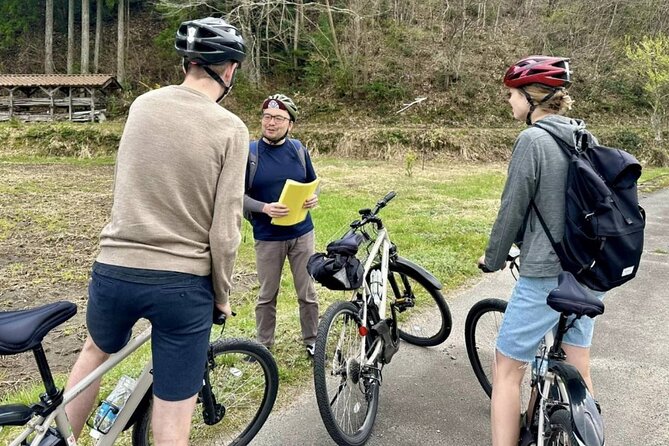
(45, 371)
(556, 349)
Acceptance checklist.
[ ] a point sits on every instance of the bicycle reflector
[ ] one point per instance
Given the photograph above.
(363, 330)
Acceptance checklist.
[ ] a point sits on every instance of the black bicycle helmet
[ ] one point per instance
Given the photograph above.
(209, 41)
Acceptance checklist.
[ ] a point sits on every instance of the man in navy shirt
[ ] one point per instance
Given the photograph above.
(279, 158)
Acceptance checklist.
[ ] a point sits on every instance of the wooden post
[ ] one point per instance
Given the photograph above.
(11, 102)
(92, 93)
(69, 106)
(50, 94)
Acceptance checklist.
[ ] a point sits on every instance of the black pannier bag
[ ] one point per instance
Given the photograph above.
(603, 232)
(338, 268)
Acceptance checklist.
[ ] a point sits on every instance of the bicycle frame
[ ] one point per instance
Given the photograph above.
(382, 244)
(572, 389)
(41, 424)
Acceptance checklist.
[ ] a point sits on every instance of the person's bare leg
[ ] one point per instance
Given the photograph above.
(579, 357)
(505, 405)
(171, 421)
(79, 408)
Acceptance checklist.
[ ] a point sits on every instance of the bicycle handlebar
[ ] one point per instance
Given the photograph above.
(511, 257)
(369, 216)
(383, 202)
(220, 317)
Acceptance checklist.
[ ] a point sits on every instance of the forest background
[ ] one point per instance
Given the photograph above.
(351, 65)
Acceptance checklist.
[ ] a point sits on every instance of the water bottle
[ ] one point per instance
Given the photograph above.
(375, 286)
(111, 406)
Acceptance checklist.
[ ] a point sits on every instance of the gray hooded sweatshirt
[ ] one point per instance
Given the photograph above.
(537, 170)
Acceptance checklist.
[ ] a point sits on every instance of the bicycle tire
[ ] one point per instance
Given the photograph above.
(418, 327)
(257, 379)
(561, 429)
(481, 327)
(336, 368)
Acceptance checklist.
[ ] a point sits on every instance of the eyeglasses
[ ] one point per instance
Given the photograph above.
(266, 117)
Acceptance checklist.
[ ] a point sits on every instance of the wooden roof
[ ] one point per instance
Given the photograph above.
(102, 81)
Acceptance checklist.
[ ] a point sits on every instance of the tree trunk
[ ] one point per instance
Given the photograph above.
(335, 43)
(296, 31)
(48, 38)
(85, 34)
(70, 36)
(120, 43)
(98, 35)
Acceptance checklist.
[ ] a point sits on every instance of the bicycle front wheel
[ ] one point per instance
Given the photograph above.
(347, 391)
(481, 327)
(244, 380)
(428, 323)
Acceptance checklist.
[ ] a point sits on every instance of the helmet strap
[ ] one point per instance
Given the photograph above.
(217, 78)
(533, 106)
(276, 140)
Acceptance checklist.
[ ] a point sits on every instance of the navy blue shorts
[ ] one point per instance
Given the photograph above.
(179, 307)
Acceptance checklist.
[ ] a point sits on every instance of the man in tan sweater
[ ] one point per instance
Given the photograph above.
(168, 252)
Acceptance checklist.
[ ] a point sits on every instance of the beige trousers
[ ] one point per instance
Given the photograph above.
(270, 258)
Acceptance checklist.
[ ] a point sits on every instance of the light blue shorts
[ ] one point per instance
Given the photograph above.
(528, 318)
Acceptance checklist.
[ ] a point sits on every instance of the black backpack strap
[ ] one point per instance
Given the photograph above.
(252, 164)
(301, 152)
(583, 139)
(569, 151)
(544, 225)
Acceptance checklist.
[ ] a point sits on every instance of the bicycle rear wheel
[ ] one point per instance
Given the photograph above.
(244, 379)
(347, 392)
(481, 327)
(429, 321)
(561, 429)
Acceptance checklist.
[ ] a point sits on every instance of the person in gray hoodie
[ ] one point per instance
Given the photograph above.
(537, 171)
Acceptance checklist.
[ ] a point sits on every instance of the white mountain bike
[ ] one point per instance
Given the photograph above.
(237, 393)
(356, 339)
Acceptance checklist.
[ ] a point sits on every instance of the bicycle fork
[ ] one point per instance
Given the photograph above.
(212, 411)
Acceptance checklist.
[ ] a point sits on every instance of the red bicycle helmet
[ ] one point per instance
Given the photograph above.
(550, 71)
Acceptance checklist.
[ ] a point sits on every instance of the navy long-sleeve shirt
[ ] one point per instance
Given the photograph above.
(276, 164)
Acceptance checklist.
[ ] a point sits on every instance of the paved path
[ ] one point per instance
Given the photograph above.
(431, 396)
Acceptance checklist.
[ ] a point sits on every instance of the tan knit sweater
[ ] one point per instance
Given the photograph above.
(178, 187)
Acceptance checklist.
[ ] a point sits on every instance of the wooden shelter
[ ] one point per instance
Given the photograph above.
(51, 97)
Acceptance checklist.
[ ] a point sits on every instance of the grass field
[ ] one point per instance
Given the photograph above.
(53, 210)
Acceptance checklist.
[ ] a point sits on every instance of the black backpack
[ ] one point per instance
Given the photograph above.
(603, 231)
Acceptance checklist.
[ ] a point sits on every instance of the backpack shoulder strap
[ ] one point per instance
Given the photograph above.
(543, 224)
(252, 164)
(566, 148)
(301, 152)
(569, 151)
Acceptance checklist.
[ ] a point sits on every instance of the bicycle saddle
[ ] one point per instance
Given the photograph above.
(571, 298)
(23, 330)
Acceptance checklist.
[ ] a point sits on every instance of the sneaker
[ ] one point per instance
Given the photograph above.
(311, 348)
(250, 359)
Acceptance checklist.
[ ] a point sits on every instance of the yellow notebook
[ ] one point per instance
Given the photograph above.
(293, 196)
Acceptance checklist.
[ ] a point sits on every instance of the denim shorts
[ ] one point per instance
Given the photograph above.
(179, 307)
(528, 318)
